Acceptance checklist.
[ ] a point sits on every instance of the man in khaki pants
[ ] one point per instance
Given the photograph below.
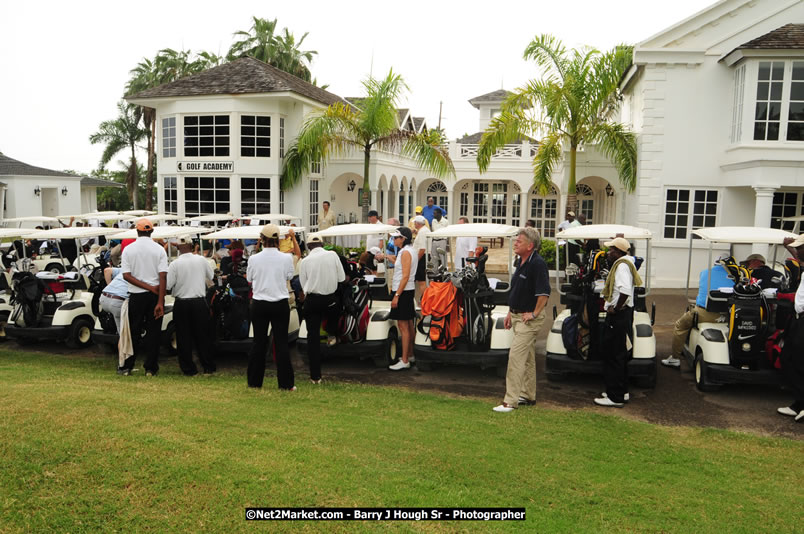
(530, 289)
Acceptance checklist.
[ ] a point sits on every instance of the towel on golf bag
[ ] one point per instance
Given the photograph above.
(125, 346)
(440, 302)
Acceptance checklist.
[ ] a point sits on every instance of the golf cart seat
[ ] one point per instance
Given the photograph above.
(378, 289)
(718, 302)
(639, 298)
(5, 281)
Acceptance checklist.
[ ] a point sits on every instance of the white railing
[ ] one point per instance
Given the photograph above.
(523, 151)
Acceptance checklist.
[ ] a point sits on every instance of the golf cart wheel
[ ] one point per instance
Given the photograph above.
(3, 323)
(390, 351)
(701, 368)
(54, 267)
(170, 340)
(80, 334)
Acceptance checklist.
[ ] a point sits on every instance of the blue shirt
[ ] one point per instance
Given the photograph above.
(720, 278)
(391, 248)
(530, 281)
(118, 286)
(428, 214)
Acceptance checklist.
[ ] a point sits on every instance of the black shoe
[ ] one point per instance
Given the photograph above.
(123, 372)
(526, 402)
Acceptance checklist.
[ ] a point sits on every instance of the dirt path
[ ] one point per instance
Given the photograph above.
(675, 401)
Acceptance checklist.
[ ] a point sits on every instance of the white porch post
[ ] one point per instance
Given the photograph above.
(374, 201)
(763, 209)
(405, 204)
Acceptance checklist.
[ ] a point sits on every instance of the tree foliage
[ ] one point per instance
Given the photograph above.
(571, 105)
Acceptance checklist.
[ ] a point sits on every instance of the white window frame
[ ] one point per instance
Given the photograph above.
(170, 194)
(253, 190)
(480, 210)
(737, 111)
(781, 208)
(261, 134)
(169, 137)
(313, 204)
(709, 219)
(221, 131)
(281, 137)
(438, 191)
(220, 186)
(751, 101)
(585, 196)
(540, 209)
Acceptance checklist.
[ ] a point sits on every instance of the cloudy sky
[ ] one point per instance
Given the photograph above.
(64, 65)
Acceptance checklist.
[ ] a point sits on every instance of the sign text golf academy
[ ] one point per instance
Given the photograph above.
(205, 166)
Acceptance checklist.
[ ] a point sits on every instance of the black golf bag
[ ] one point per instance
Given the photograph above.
(27, 295)
(354, 299)
(748, 326)
(229, 305)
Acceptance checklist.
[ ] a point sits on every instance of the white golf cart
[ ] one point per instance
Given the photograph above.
(580, 293)
(734, 350)
(105, 332)
(225, 341)
(484, 341)
(64, 311)
(50, 259)
(373, 335)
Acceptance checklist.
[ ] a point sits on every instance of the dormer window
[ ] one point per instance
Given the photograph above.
(779, 111)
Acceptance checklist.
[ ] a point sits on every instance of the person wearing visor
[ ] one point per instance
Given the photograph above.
(144, 266)
(403, 288)
(268, 272)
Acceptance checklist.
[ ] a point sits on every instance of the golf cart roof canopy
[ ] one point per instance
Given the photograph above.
(271, 217)
(156, 218)
(105, 215)
(139, 213)
(163, 232)
(214, 217)
(343, 230)
(743, 234)
(479, 230)
(40, 218)
(248, 232)
(6, 233)
(71, 232)
(604, 231)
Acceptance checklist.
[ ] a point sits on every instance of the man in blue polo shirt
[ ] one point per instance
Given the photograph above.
(429, 211)
(530, 289)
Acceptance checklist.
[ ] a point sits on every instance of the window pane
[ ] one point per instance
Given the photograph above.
(684, 194)
(762, 91)
(773, 131)
(759, 131)
(778, 70)
(247, 152)
(222, 119)
(264, 152)
(263, 183)
(797, 91)
(762, 111)
(265, 121)
(776, 91)
(205, 119)
(795, 131)
(798, 70)
(700, 195)
(224, 151)
(764, 70)
(796, 111)
(672, 194)
(190, 121)
(247, 119)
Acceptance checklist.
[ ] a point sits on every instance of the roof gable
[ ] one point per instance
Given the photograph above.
(490, 98)
(241, 76)
(788, 37)
(13, 167)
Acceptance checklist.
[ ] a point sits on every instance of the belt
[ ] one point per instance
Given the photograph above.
(512, 310)
(189, 298)
(109, 295)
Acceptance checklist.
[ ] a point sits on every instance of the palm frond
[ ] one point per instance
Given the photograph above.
(619, 145)
(547, 157)
(548, 52)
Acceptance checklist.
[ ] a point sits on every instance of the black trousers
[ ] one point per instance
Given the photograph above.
(141, 315)
(573, 250)
(191, 317)
(277, 314)
(792, 360)
(316, 308)
(616, 331)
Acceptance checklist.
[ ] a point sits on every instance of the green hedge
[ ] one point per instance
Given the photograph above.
(548, 252)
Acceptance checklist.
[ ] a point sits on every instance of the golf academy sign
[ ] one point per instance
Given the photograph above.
(205, 166)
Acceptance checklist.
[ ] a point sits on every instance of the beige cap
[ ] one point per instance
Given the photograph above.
(797, 242)
(571, 213)
(753, 257)
(185, 240)
(315, 239)
(271, 231)
(620, 243)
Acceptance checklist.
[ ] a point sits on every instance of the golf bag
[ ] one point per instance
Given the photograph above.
(576, 335)
(97, 282)
(27, 295)
(440, 301)
(354, 299)
(748, 325)
(229, 305)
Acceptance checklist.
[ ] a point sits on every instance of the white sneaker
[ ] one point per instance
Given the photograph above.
(412, 359)
(800, 417)
(400, 365)
(626, 397)
(671, 362)
(605, 401)
(504, 408)
(786, 410)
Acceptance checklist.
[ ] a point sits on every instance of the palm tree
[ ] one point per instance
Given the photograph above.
(290, 59)
(575, 100)
(341, 128)
(118, 134)
(262, 42)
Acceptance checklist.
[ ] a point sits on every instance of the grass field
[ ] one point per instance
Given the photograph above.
(83, 450)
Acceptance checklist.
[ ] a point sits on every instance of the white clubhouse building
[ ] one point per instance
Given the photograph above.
(717, 102)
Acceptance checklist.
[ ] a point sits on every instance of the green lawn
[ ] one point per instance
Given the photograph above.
(83, 450)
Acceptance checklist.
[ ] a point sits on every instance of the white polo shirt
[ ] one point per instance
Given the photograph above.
(268, 273)
(420, 243)
(436, 224)
(798, 301)
(187, 276)
(374, 240)
(144, 259)
(623, 285)
(320, 272)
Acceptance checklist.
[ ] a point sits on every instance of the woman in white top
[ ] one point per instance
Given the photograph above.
(404, 288)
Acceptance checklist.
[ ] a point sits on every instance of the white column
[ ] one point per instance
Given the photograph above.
(763, 208)
(405, 204)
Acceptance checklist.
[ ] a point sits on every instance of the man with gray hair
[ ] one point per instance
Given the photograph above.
(530, 289)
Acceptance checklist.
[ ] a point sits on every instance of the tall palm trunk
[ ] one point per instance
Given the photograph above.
(572, 198)
(150, 115)
(132, 179)
(366, 191)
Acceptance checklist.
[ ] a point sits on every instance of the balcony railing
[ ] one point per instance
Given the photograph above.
(522, 151)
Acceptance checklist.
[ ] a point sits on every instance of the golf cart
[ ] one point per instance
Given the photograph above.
(50, 260)
(482, 339)
(229, 299)
(734, 350)
(105, 330)
(573, 343)
(56, 306)
(365, 329)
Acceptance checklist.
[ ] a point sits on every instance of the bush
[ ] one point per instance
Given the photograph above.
(548, 252)
(344, 251)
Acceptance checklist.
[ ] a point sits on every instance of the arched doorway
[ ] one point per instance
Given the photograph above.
(597, 200)
(438, 191)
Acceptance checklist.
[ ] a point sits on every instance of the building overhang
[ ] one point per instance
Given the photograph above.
(735, 56)
(645, 56)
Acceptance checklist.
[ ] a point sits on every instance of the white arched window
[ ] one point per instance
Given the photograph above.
(544, 210)
(586, 202)
(438, 191)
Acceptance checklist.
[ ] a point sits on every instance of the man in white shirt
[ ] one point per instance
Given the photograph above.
(188, 278)
(144, 266)
(618, 293)
(420, 249)
(374, 240)
(326, 218)
(439, 221)
(268, 273)
(464, 247)
(319, 274)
